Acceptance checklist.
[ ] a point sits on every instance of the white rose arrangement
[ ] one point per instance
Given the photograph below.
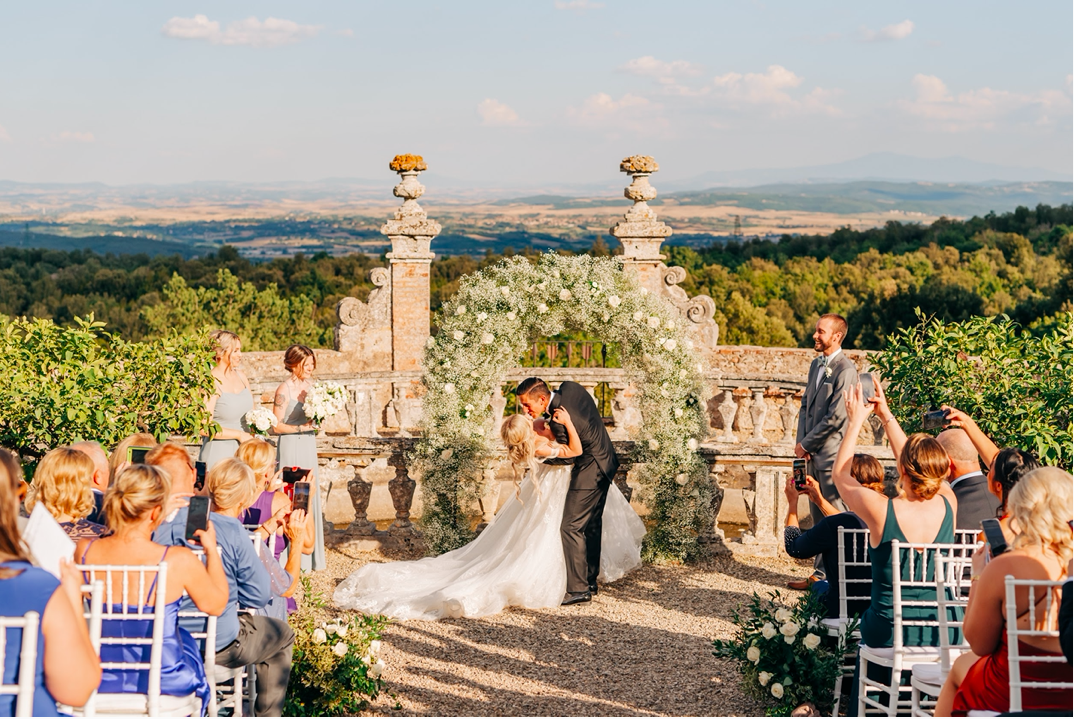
(324, 400)
(260, 420)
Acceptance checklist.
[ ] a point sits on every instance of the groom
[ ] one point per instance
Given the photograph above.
(591, 477)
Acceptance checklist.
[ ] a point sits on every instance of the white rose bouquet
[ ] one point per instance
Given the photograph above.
(780, 653)
(323, 400)
(260, 420)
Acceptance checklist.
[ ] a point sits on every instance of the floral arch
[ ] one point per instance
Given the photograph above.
(487, 326)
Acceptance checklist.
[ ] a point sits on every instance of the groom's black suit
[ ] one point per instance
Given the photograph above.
(590, 479)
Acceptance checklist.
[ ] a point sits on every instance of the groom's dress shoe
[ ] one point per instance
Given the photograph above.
(593, 589)
(576, 598)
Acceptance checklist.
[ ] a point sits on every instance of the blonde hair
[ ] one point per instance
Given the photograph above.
(11, 544)
(260, 456)
(62, 483)
(138, 489)
(1040, 507)
(224, 343)
(925, 465)
(230, 484)
(119, 454)
(521, 443)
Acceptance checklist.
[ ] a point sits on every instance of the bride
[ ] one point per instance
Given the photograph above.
(518, 559)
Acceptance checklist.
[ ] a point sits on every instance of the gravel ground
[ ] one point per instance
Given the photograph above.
(641, 647)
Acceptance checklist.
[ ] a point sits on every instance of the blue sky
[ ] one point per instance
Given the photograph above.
(521, 92)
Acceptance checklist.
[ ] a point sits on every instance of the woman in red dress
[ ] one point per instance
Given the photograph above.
(1040, 509)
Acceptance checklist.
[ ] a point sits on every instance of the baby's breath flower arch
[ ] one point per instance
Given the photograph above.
(488, 325)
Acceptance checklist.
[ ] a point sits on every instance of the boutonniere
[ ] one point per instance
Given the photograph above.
(827, 372)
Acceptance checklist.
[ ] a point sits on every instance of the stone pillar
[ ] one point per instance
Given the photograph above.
(411, 233)
(621, 477)
(788, 412)
(402, 491)
(766, 506)
(728, 409)
(360, 490)
(759, 413)
(490, 495)
(639, 231)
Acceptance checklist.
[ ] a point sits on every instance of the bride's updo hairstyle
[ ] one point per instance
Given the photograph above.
(519, 439)
(295, 355)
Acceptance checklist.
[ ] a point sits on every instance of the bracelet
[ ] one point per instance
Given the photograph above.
(889, 420)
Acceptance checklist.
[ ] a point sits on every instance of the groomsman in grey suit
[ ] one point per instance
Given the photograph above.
(822, 419)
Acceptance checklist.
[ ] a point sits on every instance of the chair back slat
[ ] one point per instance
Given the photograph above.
(853, 552)
(1014, 635)
(23, 689)
(917, 561)
(952, 595)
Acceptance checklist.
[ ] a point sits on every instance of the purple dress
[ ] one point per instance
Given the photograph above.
(258, 513)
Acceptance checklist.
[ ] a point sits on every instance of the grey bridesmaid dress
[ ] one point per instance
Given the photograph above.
(231, 408)
(300, 450)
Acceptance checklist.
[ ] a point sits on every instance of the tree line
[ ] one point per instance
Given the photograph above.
(766, 293)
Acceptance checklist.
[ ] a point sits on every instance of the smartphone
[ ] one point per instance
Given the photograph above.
(136, 455)
(199, 480)
(197, 516)
(798, 469)
(934, 419)
(302, 496)
(997, 543)
(868, 389)
(294, 474)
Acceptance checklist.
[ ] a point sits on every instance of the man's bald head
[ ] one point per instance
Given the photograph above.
(94, 451)
(960, 449)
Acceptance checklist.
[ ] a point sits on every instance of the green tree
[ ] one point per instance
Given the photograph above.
(263, 319)
(66, 384)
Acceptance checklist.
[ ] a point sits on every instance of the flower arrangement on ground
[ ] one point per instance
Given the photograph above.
(260, 420)
(783, 656)
(323, 400)
(484, 330)
(336, 668)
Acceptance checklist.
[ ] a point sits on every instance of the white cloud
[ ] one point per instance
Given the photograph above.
(898, 31)
(271, 32)
(980, 108)
(4, 137)
(629, 112)
(577, 5)
(496, 114)
(649, 66)
(773, 89)
(345, 33)
(68, 136)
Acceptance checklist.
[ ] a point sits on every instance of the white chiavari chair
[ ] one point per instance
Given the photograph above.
(23, 688)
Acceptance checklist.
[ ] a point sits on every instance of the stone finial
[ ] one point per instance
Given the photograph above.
(639, 231)
(411, 231)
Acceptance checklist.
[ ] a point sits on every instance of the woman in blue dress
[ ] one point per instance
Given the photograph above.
(133, 508)
(67, 667)
(229, 403)
(298, 437)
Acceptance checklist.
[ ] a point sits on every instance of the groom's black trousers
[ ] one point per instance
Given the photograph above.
(580, 531)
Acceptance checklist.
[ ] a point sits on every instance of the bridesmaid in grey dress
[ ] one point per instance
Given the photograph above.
(231, 401)
(297, 445)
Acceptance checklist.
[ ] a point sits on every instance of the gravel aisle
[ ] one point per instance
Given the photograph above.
(642, 647)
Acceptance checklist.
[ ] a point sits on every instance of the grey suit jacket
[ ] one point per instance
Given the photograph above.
(823, 417)
(975, 502)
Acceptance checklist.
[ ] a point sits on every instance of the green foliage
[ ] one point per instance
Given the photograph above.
(780, 673)
(1015, 385)
(335, 670)
(66, 384)
(263, 319)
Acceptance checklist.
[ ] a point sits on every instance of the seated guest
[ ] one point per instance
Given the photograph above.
(118, 459)
(174, 460)
(242, 639)
(969, 483)
(823, 538)
(99, 483)
(1040, 507)
(67, 666)
(62, 486)
(133, 508)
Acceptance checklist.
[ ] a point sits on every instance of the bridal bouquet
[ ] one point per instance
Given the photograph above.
(260, 420)
(323, 400)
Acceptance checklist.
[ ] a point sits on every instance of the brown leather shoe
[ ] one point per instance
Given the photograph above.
(802, 584)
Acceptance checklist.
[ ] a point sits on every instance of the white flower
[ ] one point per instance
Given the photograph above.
(811, 641)
(764, 677)
(605, 317)
(637, 316)
(661, 341)
(377, 669)
(511, 316)
(789, 640)
(460, 310)
(689, 344)
(469, 408)
(446, 454)
(340, 649)
(700, 368)
(564, 295)
(670, 345)
(449, 388)
(670, 325)
(374, 647)
(324, 400)
(505, 291)
(459, 335)
(768, 630)
(429, 343)
(654, 322)
(827, 371)
(614, 301)
(681, 479)
(664, 392)
(691, 444)
(783, 615)
(260, 420)
(777, 690)
(654, 445)
(320, 636)
(446, 364)
(331, 628)
(789, 629)
(678, 412)
(696, 493)
(644, 290)
(481, 316)
(542, 285)
(542, 308)
(753, 654)
(487, 338)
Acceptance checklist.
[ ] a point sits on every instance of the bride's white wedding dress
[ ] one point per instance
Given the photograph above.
(516, 561)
